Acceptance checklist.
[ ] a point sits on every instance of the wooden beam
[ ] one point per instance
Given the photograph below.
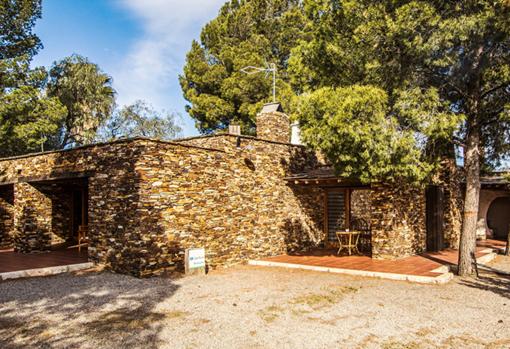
(56, 177)
(347, 213)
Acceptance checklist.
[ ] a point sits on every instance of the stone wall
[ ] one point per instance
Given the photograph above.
(234, 202)
(113, 198)
(398, 221)
(273, 126)
(32, 219)
(450, 178)
(361, 205)
(6, 215)
(150, 200)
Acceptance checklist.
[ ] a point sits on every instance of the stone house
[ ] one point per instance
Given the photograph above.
(143, 202)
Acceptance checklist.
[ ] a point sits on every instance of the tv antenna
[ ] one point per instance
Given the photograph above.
(270, 68)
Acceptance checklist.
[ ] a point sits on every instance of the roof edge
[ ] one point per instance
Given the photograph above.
(240, 136)
(102, 144)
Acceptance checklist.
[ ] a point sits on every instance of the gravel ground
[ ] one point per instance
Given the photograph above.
(249, 307)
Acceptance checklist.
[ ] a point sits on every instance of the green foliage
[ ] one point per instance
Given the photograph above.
(17, 18)
(352, 127)
(139, 120)
(445, 66)
(245, 33)
(28, 120)
(87, 94)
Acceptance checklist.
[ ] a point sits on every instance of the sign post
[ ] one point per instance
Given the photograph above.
(194, 261)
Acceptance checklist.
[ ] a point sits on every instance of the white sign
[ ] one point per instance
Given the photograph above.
(196, 258)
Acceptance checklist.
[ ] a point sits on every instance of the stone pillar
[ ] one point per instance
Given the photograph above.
(6, 215)
(273, 124)
(397, 221)
(451, 180)
(32, 219)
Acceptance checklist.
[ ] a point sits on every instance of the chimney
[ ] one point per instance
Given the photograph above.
(273, 124)
(234, 129)
(295, 133)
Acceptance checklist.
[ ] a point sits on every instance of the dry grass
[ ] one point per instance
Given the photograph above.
(330, 296)
(271, 313)
(451, 342)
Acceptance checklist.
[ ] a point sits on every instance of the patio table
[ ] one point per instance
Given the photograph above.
(348, 240)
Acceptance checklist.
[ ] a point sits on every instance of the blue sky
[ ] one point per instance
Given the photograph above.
(142, 44)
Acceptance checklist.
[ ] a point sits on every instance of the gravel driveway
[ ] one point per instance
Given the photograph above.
(250, 307)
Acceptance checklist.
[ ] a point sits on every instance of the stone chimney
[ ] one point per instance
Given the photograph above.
(234, 129)
(273, 124)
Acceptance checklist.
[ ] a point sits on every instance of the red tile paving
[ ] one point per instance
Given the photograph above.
(13, 261)
(421, 265)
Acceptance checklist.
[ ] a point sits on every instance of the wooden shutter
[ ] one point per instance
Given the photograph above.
(336, 204)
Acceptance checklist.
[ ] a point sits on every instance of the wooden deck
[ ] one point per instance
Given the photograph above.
(11, 261)
(426, 265)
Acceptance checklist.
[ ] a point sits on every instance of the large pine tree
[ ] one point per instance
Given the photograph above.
(245, 33)
(447, 59)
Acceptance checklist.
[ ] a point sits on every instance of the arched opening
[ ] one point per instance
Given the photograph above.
(498, 217)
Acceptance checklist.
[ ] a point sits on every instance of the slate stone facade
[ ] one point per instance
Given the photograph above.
(397, 221)
(147, 201)
(6, 215)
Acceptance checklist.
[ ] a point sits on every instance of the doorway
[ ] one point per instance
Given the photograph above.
(435, 218)
(498, 217)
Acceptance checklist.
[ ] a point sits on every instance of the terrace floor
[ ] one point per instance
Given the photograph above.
(431, 267)
(11, 261)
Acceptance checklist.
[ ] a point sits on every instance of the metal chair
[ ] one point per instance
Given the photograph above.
(365, 239)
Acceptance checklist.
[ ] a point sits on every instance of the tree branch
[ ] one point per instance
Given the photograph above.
(494, 89)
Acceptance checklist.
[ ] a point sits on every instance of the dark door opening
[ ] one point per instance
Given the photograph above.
(80, 209)
(498, 217)
(435, 218)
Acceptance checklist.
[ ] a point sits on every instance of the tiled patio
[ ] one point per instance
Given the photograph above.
(422, 268)
(11, 261)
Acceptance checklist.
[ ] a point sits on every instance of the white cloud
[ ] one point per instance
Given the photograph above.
(150, 69)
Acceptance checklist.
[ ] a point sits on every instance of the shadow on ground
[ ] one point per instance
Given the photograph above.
(490, 279)
(94, 310)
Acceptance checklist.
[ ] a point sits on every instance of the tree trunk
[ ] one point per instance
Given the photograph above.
(467, 247)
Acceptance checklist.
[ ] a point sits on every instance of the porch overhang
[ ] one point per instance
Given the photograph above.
(53, 177)
(495, 183)
(324, 177)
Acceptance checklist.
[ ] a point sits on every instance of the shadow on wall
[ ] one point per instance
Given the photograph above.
(409, 217)
(304, 228)
(62, 215)
(6, 215)
(31, 232)
(96, 310)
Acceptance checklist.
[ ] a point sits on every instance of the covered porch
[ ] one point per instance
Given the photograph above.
(43, 223)
(376, 220)
(15, 265)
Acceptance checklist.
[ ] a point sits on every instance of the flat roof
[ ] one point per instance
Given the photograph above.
(102, 144)
(177, 142)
